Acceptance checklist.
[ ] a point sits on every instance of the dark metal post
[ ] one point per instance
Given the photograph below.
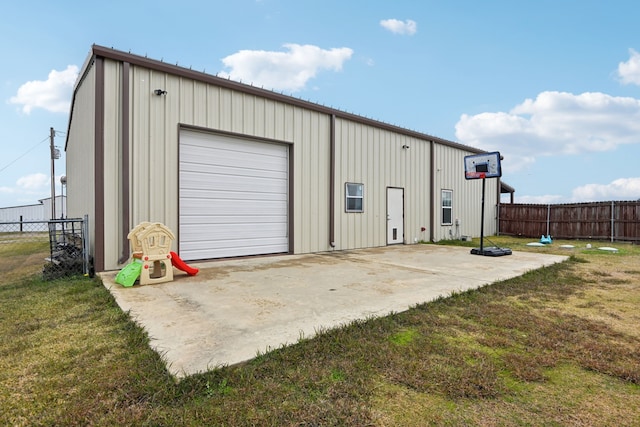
(482, 217)
(52, 134)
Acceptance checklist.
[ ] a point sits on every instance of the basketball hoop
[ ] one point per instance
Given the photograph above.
(482, 166)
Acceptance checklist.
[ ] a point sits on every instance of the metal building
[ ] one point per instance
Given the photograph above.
(235, 170)
(34, 212)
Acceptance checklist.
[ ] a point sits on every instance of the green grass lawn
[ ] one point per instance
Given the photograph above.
(22, 256)
(556, 346)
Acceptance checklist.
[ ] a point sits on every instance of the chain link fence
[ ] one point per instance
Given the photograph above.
(53, 249)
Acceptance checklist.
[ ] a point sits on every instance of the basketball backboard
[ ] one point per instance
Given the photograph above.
(484, 165)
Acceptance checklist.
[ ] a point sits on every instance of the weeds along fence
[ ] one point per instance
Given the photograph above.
(54, 249)
(612, 221)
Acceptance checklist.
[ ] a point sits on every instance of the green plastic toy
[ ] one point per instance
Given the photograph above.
(129, 274)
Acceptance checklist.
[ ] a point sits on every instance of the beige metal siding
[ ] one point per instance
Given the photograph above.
(112, 163)
(154, 134)
(80, 155)
(375, 157)
(155, 126)
(364, 153)
(310, 176)
(467, 196)
(27, 213)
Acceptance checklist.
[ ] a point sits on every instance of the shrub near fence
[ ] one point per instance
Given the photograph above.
(614, 221)
(54, 249)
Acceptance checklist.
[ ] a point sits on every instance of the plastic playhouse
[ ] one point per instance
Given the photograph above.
(152, 260)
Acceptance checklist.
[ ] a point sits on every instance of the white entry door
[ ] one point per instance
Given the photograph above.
(395, 215)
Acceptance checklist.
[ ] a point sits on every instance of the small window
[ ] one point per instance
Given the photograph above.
(447, 207)
(354, 197)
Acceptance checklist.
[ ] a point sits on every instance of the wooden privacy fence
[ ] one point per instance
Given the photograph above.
(614, 221)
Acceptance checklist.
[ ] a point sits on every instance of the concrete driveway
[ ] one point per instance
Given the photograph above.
(234, 309)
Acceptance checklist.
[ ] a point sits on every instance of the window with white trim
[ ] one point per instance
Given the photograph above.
(447, 207)
(354, 197)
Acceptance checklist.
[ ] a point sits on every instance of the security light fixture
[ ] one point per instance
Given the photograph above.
(160, 92)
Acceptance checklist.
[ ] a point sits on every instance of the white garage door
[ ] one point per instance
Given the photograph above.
(233, 196)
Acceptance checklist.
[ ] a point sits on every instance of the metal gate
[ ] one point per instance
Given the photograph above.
(56, 248)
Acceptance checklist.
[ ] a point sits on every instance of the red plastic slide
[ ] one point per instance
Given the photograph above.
(181, 265)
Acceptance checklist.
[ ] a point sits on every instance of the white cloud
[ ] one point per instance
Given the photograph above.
(555, 123)
(619, 189)
(29, 188)
(629, 72)
(537, 200)
(289, 71)
(396, 26)
(53, 94)
(33, 182)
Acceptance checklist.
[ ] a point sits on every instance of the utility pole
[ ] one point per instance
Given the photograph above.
(52, 134)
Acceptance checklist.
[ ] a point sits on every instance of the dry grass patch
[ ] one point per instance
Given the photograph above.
(615, 299)
(21, 258)
(556, 346)
(570, 397)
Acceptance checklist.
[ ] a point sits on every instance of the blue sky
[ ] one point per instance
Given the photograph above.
(553, 85)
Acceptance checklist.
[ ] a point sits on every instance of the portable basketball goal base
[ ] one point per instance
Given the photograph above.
(483, 166)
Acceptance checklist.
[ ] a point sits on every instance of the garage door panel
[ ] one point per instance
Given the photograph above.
(233, 196)
(233, 154)
(225, 233)
(206, 218)
(236, 247)
(222, 143)
(197, 172)
(200, 195)
(245, 221)
(253, 208)
(226, 160)
(234, 183)
(212, 252)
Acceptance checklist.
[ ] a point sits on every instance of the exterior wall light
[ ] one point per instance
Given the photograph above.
(160, 92)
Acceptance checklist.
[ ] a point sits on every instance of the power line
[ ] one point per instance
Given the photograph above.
(21, 156)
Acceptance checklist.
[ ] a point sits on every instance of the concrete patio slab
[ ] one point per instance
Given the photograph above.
(234, 309)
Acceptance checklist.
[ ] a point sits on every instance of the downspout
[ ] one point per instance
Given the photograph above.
(98, 162)
(432, 191)
(124, 137)
(332, 180)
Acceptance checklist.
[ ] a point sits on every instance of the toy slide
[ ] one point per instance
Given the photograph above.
(129, 274)
(181, 265)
